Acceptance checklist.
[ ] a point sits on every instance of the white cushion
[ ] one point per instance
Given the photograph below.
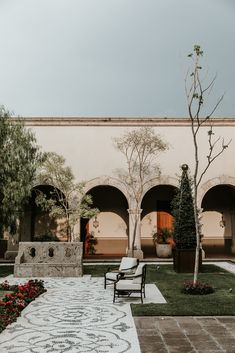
(138, 272)
(127, 285)
(127, 262)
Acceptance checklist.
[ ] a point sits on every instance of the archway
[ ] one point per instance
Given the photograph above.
(37, 225)
(110, 227)
(218, 219)
(156, 213)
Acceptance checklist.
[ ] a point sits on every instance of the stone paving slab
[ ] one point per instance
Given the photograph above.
(186, 334)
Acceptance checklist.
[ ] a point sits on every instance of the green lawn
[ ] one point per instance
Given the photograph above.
(221, 302)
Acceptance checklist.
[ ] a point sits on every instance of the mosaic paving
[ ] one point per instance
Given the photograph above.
(74, 315)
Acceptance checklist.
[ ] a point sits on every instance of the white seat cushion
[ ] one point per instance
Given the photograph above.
(127, 285)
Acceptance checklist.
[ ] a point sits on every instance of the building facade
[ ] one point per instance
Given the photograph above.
(88, 147)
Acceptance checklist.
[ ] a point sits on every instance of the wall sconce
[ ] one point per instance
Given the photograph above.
(222, 222)
(96, 223)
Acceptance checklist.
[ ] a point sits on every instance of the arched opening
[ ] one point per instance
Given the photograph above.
(156, 213)
(218, 219)
(37, 225)
(107, 233)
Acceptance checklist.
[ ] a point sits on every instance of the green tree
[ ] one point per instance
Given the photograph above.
(67, 200)
(140, 148)
(19, 159)
(183, 212)
(197, 91)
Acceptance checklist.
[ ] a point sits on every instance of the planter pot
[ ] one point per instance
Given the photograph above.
(184, 260)
(164, 250)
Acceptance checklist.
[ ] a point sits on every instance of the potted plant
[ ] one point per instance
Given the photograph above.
(184, 232)
(163, 241)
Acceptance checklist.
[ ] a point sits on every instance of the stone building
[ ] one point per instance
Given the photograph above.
(87, 145)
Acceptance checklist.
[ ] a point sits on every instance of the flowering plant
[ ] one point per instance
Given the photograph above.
(5, 285)
(13, 303)
(163, 236)
(197, 289)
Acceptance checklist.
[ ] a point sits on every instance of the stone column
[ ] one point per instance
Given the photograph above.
(76, 231)
(134, 214)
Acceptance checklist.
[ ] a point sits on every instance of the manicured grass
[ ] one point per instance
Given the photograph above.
(6, 270)
(221, 302)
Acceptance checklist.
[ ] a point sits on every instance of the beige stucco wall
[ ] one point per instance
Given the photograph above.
(90, 151)
(87, 145)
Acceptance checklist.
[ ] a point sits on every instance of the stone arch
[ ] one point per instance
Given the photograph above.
(217, 200)
(110, 226)
(156, 211)
(37, 224)
(162, 180)
(220, 180)
(105, 180)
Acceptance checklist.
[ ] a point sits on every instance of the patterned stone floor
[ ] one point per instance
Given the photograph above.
(75, 315)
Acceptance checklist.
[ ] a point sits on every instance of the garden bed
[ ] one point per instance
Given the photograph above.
(16, 298)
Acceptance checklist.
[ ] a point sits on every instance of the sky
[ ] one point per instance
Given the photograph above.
(113, 57)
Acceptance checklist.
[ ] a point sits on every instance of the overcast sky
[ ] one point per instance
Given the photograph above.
(112, 57)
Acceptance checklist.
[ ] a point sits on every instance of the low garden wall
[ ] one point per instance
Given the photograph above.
(48, 259)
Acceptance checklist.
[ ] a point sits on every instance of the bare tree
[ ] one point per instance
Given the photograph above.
(196, 93)
(140, 148)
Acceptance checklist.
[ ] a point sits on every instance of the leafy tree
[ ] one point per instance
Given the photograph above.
(183, 212)
(19, 159)
(197, 92)
(140, 148)
(67, 199)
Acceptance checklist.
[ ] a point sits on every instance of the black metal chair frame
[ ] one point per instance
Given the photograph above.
(128, 292)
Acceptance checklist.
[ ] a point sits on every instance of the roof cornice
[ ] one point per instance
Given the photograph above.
(119, 121)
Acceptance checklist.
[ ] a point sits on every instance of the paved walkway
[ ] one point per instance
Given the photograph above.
(186, 334)
(75, 315)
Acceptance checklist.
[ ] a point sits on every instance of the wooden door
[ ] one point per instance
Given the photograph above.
(164, 220)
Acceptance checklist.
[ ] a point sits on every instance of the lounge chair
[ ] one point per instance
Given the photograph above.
(132, 284)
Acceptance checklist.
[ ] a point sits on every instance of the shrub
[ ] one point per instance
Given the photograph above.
(197, 289)
(183, 211)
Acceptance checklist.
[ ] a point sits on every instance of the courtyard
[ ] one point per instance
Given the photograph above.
(78, 315)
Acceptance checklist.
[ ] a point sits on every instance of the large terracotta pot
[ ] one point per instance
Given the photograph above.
(164, 250)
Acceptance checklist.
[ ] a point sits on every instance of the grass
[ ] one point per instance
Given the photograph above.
(221, 302)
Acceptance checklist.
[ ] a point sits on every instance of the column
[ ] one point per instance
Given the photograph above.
(75, 231)
(134, 216)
